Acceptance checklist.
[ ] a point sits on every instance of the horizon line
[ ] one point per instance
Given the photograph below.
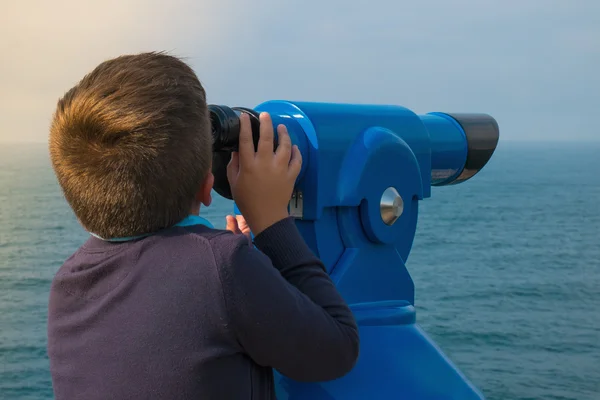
(545, 140)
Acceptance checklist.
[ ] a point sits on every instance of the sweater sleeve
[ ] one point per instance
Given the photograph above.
(283, 306)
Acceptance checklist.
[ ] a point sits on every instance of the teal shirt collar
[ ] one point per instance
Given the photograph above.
(187, 221)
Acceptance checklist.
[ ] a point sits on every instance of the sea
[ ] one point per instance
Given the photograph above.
(506, 268)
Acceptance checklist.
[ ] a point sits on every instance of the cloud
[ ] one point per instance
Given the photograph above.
(533, 65)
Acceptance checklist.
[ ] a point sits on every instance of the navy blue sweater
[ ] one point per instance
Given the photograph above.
(195, 313)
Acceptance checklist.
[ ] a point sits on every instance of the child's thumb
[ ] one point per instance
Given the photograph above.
(233, 167)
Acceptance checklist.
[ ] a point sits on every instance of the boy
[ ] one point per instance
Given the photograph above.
(157, 304)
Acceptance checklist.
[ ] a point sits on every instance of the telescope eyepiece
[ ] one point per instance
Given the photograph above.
(225, 127)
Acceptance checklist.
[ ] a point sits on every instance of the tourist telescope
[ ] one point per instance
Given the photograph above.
(365, 169)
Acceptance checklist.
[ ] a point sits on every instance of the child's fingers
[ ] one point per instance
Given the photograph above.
(265, 143)
(284, 148)
(242, 224)
(232, 224)
(295, 162)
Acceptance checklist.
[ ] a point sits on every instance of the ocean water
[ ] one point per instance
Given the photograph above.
(506, 268)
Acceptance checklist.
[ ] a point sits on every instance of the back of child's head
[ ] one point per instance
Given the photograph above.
(131, 144)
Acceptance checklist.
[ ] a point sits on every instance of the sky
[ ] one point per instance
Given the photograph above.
(534, 65)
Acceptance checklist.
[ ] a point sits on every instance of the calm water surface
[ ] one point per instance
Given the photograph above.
(506, 268)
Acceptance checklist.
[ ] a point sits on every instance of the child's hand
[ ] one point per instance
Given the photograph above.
(262, 182)
(238, 225)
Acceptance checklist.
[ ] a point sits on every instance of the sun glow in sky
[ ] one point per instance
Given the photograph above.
(534, 65)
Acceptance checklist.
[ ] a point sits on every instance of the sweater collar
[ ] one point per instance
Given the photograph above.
(187, 221)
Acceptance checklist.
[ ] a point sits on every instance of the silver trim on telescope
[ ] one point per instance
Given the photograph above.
(391, 206)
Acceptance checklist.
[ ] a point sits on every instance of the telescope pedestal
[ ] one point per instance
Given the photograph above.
(397, 361)
(356, 204)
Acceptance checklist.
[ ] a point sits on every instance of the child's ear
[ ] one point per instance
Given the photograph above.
(206, 189)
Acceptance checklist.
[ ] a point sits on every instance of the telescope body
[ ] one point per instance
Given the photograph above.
(365, 169)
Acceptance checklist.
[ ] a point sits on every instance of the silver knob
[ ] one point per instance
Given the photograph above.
(391, 206)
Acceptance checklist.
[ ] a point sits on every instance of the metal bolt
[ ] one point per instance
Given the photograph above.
(391, 206)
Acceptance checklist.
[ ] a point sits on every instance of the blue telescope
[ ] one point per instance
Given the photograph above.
(365, 168)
